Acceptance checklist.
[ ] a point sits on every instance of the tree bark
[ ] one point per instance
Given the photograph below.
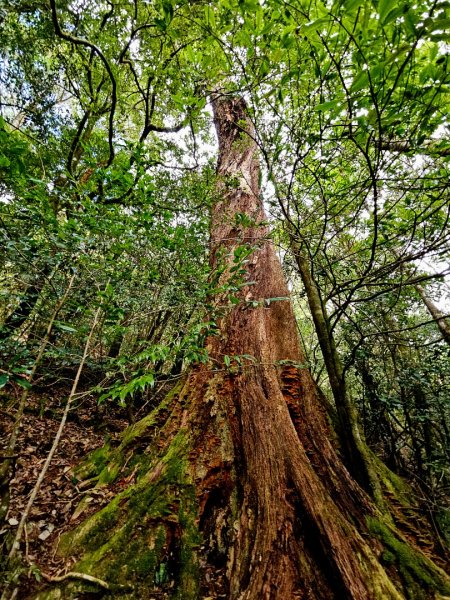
(276, 417)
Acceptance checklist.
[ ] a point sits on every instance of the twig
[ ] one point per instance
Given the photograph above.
(76, 575)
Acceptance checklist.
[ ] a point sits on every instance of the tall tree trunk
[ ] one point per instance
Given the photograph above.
(276, 417)
(245, 484)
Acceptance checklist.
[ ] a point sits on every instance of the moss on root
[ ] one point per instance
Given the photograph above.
(392, 484)
(421, 578)
(147, 536)
(134, 455)
(104, 464)
(93, 464)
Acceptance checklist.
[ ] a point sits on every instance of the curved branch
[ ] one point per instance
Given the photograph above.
(82, 42)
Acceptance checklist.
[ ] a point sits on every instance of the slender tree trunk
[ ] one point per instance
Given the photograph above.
(353, 445)
(435, 313)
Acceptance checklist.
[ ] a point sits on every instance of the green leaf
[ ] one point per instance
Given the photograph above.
(318, 23)
(264, 67)
(4, 380)
(161, 575)
(393, 14)
(24, 383)
(65, 327)
(226, 360)
(384, 8)
(351, 5)
(437, 25)
(103, 397)
(210, 16)
(360, 81)
(324, 106)
(249, 357)
(168, 12)
(161, 24)
(287, 40)
(34, 570)
(288, 76)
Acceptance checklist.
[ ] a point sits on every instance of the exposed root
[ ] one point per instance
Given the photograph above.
(83, 577)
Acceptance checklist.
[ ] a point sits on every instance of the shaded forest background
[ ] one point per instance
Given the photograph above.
(107, 181)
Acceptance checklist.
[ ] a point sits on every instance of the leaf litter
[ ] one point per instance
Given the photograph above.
(52, 511)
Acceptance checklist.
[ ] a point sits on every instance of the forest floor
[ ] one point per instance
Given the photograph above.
(52, 512)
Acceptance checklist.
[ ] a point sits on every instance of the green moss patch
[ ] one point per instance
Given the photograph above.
(105, 464)
(93, 464)
(147, 535)
(420, 576)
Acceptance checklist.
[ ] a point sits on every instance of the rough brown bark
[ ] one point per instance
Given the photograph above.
(291, 537)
